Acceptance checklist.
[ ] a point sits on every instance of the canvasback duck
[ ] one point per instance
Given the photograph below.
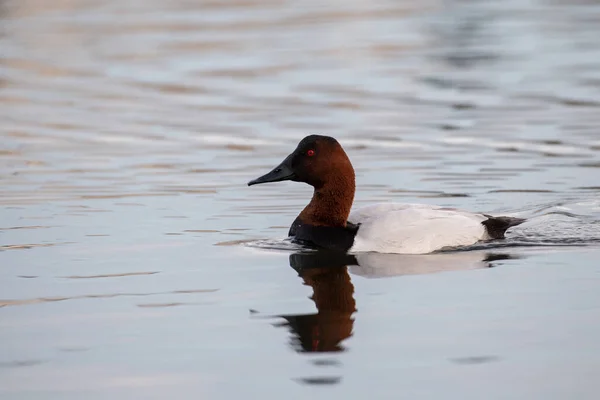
(327, 222)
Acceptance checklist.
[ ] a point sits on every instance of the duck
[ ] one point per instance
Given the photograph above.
(329, 222)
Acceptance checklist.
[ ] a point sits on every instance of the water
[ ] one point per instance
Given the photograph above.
(135, 262)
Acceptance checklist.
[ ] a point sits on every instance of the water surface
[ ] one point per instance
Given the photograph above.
(135, 262)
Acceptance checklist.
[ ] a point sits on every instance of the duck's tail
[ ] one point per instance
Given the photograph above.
(497, 226)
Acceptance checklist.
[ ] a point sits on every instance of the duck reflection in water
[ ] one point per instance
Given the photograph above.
(333, 292)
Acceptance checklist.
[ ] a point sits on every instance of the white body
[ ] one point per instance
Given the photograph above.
(414, 228)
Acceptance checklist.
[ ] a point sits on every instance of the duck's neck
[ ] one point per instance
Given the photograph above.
(331, 203)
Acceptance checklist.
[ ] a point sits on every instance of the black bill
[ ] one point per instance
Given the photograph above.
(283, 172)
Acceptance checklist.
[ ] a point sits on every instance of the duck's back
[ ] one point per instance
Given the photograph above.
(414, 228)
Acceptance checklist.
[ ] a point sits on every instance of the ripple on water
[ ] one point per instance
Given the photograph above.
(171, 110)
(53, 299)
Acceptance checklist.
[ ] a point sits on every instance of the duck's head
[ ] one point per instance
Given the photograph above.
(318, 161)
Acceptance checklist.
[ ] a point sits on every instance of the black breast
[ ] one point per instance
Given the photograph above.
(324, 237)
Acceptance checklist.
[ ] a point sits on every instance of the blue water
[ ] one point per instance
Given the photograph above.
(136, 263)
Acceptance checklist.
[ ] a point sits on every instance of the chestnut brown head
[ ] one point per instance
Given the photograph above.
(316, 161)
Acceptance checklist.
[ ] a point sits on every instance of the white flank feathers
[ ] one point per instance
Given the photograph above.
(414, 228)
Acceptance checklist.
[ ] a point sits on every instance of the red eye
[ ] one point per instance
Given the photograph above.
(310, 153)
